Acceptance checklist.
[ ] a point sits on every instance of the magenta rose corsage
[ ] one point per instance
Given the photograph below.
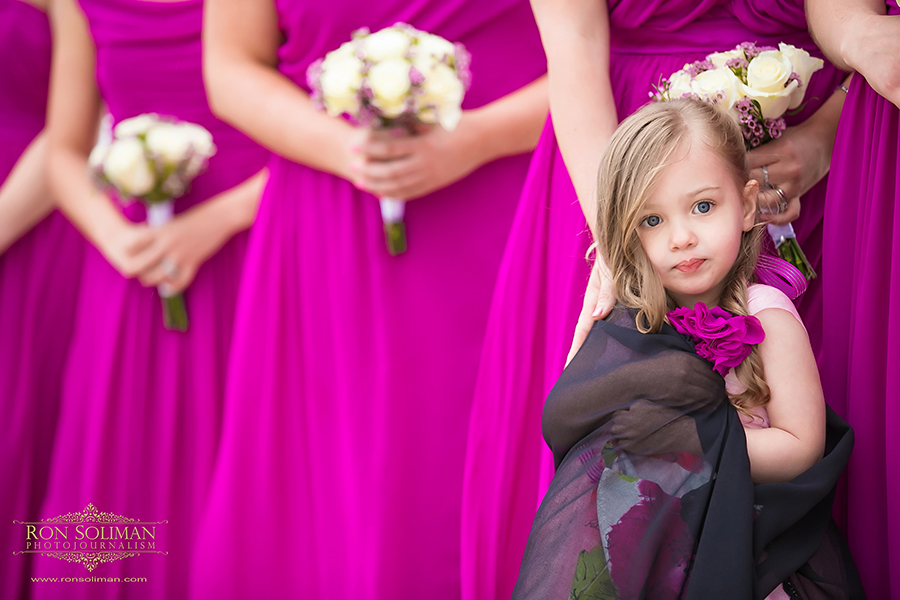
(720, 337)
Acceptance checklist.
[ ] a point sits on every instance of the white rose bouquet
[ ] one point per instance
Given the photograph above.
(756, 85)
(154, 159)
(398, 77)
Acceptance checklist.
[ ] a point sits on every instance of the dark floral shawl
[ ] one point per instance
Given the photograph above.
(652, 496)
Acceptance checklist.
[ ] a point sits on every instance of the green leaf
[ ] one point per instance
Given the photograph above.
(592, 580)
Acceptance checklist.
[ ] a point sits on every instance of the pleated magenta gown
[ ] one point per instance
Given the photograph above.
(544, 273)
(142, 405)
(353, 371)
(862, 304)
(39, 277)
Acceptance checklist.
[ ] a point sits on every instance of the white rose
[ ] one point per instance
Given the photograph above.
(98, 154)
(201, 139)
(434, 45)
(127, 167)
(136, 125)
(774, 104)
(390, 85)
(804, 66)
(345, 50)
(720, 58)
(679, 85)
(170, 142)
(718, 83)
(340, 85)
(386, 44)
(768, 71)
(450, 115)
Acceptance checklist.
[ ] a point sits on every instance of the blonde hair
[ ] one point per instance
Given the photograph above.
(641, 148)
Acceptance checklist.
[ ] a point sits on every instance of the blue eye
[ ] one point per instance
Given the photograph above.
(651, 221)
(703, 207)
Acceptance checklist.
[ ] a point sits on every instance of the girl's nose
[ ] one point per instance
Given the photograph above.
(682, 236)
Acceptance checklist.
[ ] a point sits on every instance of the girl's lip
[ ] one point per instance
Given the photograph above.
(689, 266)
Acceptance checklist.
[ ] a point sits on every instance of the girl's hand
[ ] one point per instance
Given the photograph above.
(397, 164)
(599, 299)
(796, 161)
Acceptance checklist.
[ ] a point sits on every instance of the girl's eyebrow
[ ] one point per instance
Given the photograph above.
(704, 189)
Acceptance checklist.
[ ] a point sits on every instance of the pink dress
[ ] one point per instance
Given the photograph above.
(142, 406)
(39, 277)
(543, 274)
(352, 371)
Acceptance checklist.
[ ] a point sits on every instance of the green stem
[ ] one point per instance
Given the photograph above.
(174, 312)
(395, 237)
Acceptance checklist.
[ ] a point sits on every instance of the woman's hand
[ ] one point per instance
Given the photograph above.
(178, 249)
(402, 165)
(795, 162)
(123, 246)
(599, 299)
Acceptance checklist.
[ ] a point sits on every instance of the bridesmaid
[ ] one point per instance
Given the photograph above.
(40, 264)
(862, 226)
(141, 406)
(352, 372)
(603, 61)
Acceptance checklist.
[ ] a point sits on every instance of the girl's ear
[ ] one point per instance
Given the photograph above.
(750, 195)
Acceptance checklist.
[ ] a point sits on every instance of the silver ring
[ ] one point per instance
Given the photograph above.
(765, 170)
(169, 268)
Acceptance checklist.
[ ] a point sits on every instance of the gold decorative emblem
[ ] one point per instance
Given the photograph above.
(91, 537)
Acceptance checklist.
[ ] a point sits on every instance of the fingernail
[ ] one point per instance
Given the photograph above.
(597, 312)
(358, 184)
(354, 148)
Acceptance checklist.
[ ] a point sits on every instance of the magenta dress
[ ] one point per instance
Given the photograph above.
(352, 371)
(39, 277)
(862, 287)
(142, 406)
(544, 273)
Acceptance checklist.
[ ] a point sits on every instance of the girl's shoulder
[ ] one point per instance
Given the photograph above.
(760, 297)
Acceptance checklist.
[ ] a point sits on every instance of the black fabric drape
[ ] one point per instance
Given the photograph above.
(652, 496)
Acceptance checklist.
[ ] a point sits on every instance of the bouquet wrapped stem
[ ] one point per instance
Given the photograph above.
(174, 310)
(789, 249)
(392, 211)
(153, 160)
(396, 78)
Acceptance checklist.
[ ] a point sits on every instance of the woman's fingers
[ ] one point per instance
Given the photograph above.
(599, 299)
(789, 215)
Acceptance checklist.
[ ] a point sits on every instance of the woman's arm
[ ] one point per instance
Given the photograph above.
(795, 439)
(72, 123)
(575, 34)
(25, 196)
(857, 35)
(240, 42)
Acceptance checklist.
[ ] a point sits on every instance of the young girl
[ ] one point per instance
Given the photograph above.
(653, 494)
